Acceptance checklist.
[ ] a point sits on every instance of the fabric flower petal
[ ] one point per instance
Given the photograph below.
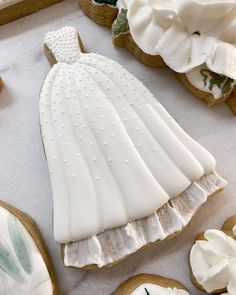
(221, 242)
(147, 23)
(181, 54)
(223, 60)
(202, 16)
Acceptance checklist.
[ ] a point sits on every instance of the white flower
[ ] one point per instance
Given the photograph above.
(213, 262)
(187, 33)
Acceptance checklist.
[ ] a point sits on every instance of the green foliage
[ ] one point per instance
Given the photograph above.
(222, 82)
(14, 263)
(20, 245)
(9, 265)
(121, 24)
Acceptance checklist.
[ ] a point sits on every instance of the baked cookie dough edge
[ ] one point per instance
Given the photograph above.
(131, 284)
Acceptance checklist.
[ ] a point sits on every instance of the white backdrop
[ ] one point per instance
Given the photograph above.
(24, 180)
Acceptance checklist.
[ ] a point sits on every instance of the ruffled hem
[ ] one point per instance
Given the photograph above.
(115, 244)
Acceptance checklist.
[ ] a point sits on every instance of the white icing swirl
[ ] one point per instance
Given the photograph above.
(109, 144)
(153, 289)
(213, 262)
(186, 33)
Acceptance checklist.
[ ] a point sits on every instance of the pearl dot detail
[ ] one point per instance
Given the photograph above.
(64, 44)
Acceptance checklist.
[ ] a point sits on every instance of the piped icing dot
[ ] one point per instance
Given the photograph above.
(64, 44)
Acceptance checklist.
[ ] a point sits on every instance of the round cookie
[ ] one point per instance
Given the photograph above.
(210, 272)
(25, 265)
(150, 284)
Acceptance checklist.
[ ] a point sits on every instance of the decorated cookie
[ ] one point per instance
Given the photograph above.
(25, 266)
(179, 35)
(213, 259)
(11, 10)
(149, 284)
(123, 173)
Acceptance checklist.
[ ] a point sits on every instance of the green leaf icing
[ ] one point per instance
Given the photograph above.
(9, 264)
(110, 2)
(121, 24)
(221, 81)
(20, 244)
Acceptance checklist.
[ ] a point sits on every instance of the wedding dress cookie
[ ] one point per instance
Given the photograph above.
(213, 259)
(25, 266)
(123, 173)
(188, 36)
(149, 284)
(11, 10)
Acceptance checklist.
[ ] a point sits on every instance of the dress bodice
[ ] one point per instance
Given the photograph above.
(64, 44)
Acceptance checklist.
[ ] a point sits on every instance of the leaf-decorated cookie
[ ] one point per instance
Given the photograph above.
(123, 173)
(213, 259)
(25, 266)
(177, 35)
(150, 284)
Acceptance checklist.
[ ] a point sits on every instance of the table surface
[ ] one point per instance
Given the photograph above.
(24, 180)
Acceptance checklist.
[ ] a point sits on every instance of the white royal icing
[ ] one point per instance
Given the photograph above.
(7, 3)
(127, 239)
(22, 268)
(153, 289)
(114, 153)
(186, 33)
(213, 262)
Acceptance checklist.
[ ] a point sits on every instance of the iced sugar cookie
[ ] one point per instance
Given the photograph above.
(213, 259)
(25, 266)
(123, 173)
(177, 34)
(150, 284)
(113, 14)
(11, 10)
